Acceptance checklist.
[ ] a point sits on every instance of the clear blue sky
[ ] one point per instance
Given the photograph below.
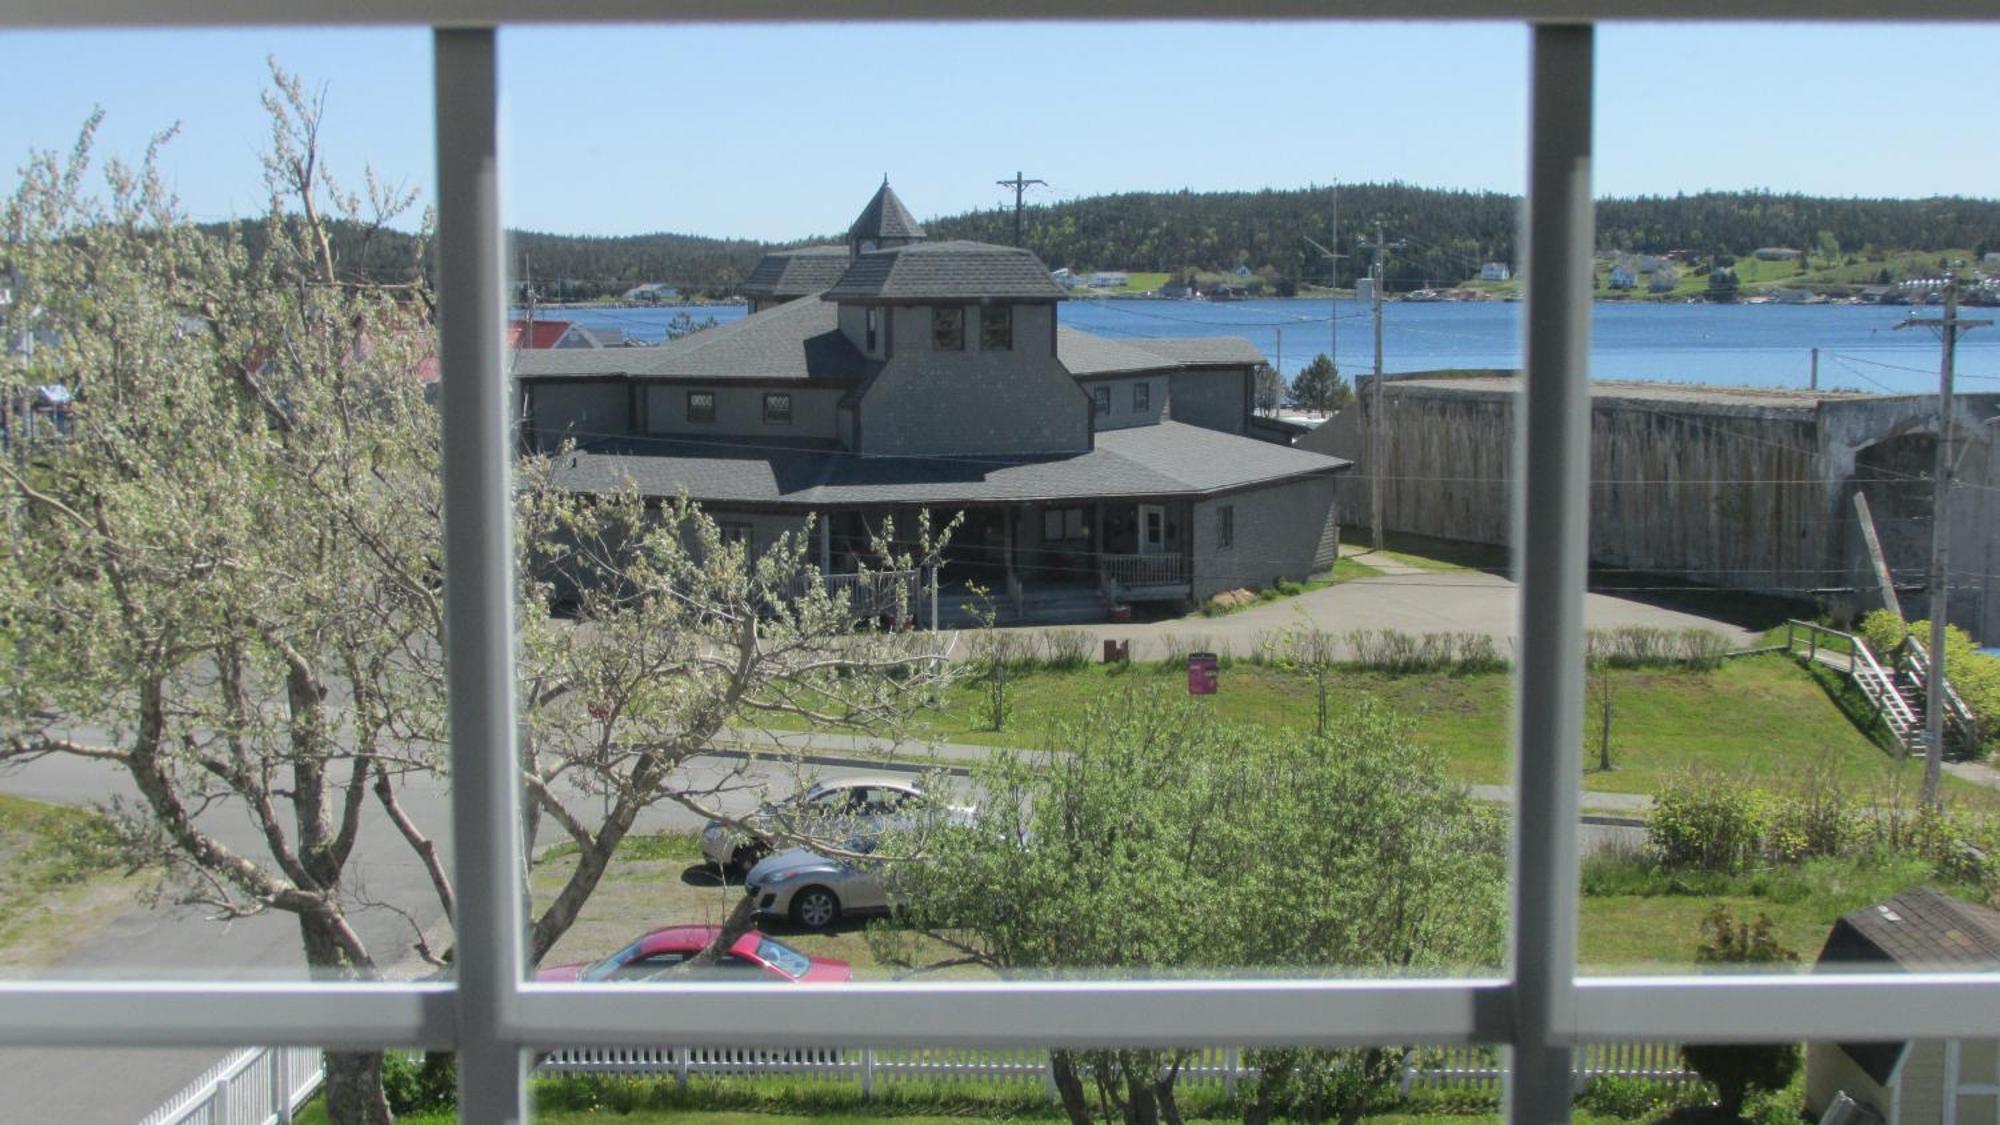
(783, 132)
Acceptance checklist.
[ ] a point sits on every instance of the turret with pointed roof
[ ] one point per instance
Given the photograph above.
(885, 223)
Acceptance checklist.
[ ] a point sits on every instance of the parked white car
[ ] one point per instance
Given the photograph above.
(829, 809)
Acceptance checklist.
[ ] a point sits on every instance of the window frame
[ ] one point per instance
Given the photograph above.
(493, 1017)
(1225, 527)
(704, 415)
(778, 418)
(1142, 396)
(1100, 401)
(947, 323)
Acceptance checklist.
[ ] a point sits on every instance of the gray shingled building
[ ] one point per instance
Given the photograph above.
(895, 374)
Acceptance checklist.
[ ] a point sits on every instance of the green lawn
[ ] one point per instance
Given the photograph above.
(1760, 718)
(61, 876)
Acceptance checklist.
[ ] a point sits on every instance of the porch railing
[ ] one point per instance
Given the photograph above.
(1129, 571)
(872, 593)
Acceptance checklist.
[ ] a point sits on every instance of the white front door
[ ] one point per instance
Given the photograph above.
(1152, 529)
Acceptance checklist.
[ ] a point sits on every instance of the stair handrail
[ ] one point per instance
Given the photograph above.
(1876, 684)
(1919, 657)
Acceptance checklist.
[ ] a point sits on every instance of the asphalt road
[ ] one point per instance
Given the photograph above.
(119, 1086)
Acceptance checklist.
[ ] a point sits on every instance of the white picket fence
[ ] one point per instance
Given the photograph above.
(259, 1086)
(254, 1086)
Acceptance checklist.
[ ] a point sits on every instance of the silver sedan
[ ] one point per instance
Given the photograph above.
(814, 891)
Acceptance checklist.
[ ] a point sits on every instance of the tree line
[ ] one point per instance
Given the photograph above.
(1445, 235)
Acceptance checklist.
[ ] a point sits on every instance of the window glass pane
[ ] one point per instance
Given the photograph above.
(1762, 809)
(226, 353)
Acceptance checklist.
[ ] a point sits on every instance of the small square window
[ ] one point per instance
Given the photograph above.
(732, 532)
(1102, 397)
(1225, 531)
(701, 406)
(996, 328)
(778, 409)
(1142, 397)
(948, 328)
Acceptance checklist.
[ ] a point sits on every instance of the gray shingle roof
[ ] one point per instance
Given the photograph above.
(796, 273)
(1918, 930)
(946, 271)
(1169, 459)
(885, 217)
(1204, 349)
(1086, 355)
(799, 340)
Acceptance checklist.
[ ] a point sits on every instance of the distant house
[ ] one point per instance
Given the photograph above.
(1623, 276)
(1791, 296)
(1241, 271)
(1775, 254)
(545, 334)
(1495, 271)
(1992, 258)
(1064, 277)
(652, 293)
(1663, 280)
(1109, 279)
(1648, 263)
(1910, 1082)
(1174, 289)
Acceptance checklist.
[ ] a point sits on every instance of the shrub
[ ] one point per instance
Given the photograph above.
(1702, 650)
(1066, 648)
(1175, 648)
(1736, 1069)
(420, 1083)
(1478, 652)
(1708, 824)
(1613, 1095)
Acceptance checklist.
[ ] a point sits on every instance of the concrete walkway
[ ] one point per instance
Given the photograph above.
(1403, 598)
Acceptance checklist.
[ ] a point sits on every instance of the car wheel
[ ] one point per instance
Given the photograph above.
(815, 908)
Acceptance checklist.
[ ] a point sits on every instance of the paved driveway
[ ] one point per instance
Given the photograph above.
(1406, 599)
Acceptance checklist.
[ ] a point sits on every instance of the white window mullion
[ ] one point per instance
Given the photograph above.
(479, 585)
(1551, 528)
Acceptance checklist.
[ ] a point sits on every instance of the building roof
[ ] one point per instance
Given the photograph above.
(799, 340)
(1086, 355)
(544, 335)
(1195, 350)
(884, 217)
(797, 272)
(1169, 459)
(1916, 931)
(948, 271)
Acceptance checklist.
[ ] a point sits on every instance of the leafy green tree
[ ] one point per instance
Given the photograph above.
(1268, 386)
(1321, 386)
(1153, 837)
(1736, 1069)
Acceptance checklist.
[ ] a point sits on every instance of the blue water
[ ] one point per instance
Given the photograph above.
(1732, 345)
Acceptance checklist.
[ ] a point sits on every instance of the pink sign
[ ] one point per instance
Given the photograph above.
(1201, 673)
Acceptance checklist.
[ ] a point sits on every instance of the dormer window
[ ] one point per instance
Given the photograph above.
(948, 328)
(996, 328)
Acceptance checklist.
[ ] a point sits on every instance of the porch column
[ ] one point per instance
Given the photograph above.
(826, 543)
(1007, 544)
(1097, 538)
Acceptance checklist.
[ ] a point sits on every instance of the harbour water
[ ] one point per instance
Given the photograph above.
(1729, 345)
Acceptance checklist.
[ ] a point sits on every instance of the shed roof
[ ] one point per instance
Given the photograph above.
(797, 272)
(1916, 931)
(1168, 459)
(800, 340)
(926, 271)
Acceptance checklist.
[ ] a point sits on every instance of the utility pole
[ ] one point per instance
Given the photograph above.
(1948, 328)
(1815, 369)
(1378, 441)
(1019, 185)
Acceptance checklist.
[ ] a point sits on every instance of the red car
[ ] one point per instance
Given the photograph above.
(753, 957)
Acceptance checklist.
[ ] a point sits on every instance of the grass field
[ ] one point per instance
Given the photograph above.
(1760, 718)
(60, 879)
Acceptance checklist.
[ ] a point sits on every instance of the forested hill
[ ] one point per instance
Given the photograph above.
(1445, 235)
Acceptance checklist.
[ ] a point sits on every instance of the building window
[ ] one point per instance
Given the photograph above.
(874, 331)
(996, 328)
(1102, 397)
(1062, 524)
(948, 328)
(701, 407)
(1142, 397)
(1225, 526)
(733, 532)
(778, 409)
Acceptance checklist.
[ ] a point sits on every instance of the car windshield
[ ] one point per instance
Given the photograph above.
(603, 969)
(783, 958)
